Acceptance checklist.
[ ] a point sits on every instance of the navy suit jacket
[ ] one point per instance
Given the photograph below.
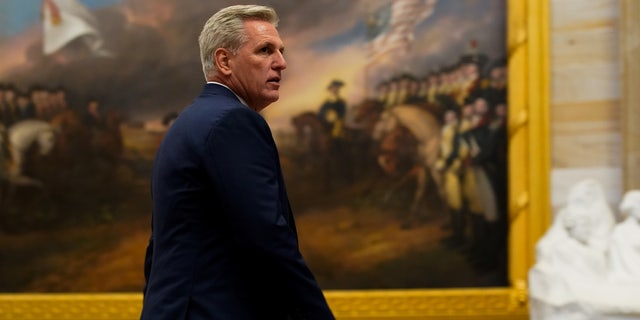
(224, 243)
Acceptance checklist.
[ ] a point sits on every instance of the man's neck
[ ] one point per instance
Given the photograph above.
(224, 85)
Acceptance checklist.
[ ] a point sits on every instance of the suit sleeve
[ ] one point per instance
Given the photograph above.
(243, 164)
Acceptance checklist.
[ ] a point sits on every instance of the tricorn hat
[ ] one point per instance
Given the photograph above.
(335, 83)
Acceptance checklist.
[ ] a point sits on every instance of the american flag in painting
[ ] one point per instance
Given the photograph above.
(390, 28)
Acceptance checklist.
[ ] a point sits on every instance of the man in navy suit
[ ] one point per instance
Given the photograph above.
(224, 242)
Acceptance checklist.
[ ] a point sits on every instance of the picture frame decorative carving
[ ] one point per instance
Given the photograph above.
(529, 211)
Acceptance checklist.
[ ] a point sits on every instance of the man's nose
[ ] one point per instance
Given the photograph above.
(279, 62)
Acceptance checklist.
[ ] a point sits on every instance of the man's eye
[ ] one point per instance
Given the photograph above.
(265, 50)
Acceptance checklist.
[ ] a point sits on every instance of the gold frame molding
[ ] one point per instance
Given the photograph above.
(630, 51)
(529, 212)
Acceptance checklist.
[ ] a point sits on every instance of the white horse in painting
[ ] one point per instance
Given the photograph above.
(426, 130)
(21, 136)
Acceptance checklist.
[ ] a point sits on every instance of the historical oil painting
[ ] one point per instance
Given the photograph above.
(390, 126)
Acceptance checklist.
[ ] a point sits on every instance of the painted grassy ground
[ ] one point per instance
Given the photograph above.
(349, 239)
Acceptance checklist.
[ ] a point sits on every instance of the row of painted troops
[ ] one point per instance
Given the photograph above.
(38, 102)
(470, 99)
(41, 103)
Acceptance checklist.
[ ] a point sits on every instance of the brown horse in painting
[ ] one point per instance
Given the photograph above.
(77, 139)
(312, 137)
(332, 157)
(313, 145)
(107, 141)
(73, 139)
(367, 114)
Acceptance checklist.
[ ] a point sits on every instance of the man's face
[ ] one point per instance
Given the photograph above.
(480, 106)
(467, 111)
(257, 68)
(450, 117)
(93, 107)
(383, 89)
(501, 110)
(23, 101)
(471, 70)
(9, 95)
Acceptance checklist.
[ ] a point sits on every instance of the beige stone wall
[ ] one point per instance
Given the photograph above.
(586, 139)
(630, 52)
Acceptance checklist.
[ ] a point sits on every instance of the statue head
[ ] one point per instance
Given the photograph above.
(588, 218)
(630, 205)
(586, 194)
(578, 224)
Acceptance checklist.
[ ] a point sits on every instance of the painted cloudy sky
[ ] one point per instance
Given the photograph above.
(157, 69)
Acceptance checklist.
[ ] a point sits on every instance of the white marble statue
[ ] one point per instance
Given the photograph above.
(572, 250)
(624, 248)
(587, 267)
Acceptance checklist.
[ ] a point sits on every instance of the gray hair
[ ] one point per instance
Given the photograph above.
(225, 29)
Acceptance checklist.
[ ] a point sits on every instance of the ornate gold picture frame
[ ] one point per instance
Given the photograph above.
(528, 41)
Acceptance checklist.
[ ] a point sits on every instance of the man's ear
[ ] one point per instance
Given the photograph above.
(222, 59)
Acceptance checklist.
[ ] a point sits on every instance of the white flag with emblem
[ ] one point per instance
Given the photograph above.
(67, 20)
